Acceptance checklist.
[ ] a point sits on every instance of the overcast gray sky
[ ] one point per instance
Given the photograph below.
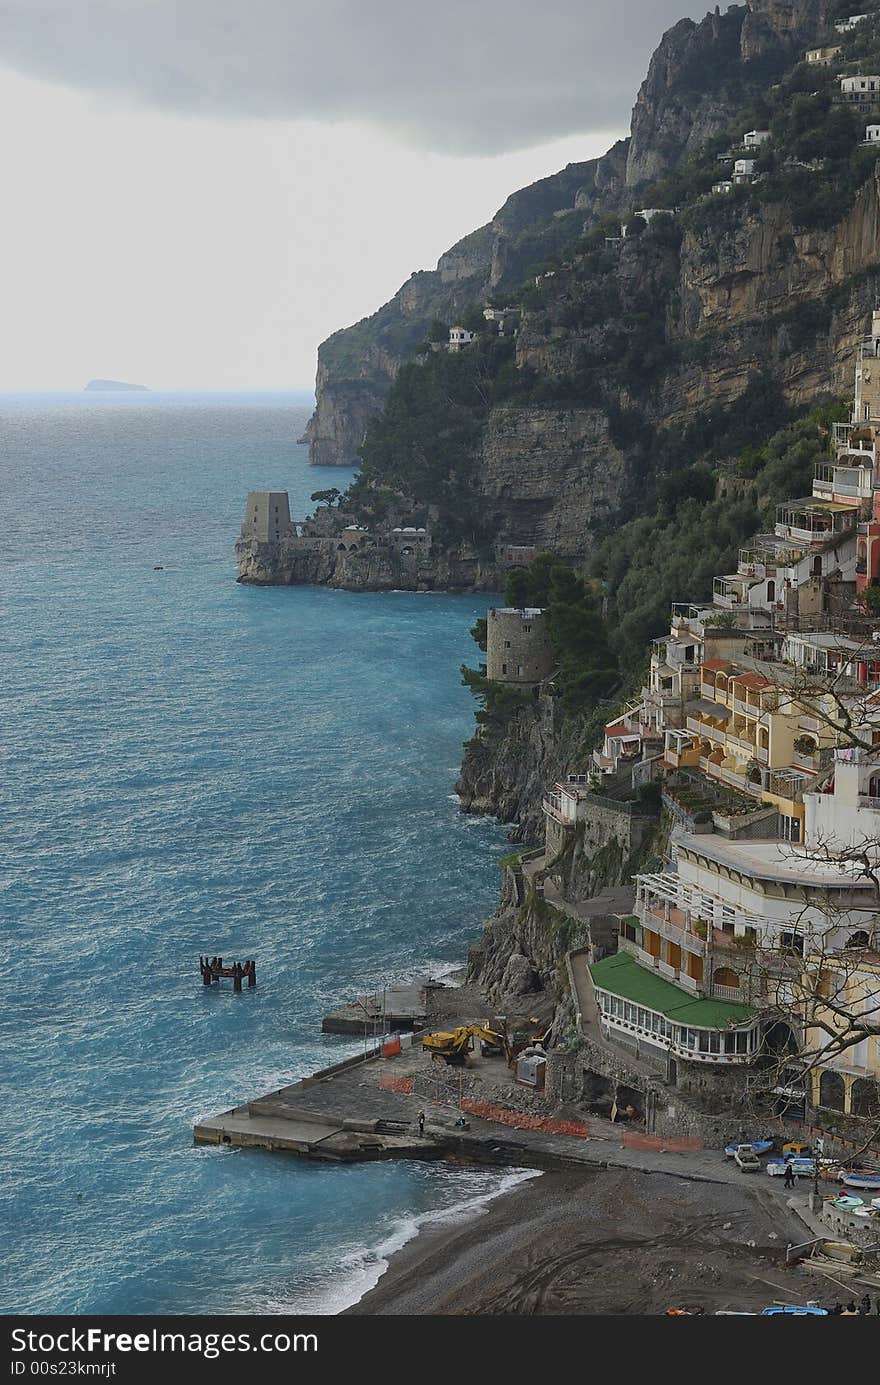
(198, 191)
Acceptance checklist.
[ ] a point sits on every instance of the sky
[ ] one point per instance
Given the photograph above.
(197, 192)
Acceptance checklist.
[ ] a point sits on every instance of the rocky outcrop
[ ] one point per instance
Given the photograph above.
(703, 72)
(317, 562)
(507, 769)
(521, 953)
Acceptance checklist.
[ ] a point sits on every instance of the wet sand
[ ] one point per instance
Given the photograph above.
(605, 1241)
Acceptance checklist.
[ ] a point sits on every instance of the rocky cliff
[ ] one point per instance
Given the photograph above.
(297, 562)
(700, 74)
(506, 771)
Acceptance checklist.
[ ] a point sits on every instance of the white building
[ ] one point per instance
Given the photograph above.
(753, 139)
(860, 90)
(872, 134)
(459, 337)
(505, 318)
(743, 170)
(846, 25)
(647, 215)
(846, 813)
(726, 185)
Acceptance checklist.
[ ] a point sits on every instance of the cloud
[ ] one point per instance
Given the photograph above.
(454, 76)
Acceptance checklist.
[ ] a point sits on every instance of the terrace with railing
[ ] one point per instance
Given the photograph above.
(854, 482)
(815, 521)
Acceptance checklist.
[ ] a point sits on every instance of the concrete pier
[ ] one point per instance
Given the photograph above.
(396, 1009)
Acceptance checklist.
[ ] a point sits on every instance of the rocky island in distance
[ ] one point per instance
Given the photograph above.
(113, 385)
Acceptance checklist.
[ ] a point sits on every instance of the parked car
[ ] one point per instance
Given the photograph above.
(746, 1159)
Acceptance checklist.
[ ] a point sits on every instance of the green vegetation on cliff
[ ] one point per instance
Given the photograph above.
(424, 445)
(587, 668)
(697, 525)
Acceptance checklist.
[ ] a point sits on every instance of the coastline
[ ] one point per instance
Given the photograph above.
(411, 1239)
(605, 1241)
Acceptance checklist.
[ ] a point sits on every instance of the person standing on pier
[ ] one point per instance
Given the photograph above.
(421, 1119)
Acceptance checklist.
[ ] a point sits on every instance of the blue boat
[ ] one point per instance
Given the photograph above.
(758, 1146)
(861, 1180)
(794, 1310)
(801, 1168)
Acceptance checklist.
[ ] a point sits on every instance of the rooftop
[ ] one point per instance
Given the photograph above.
(622, 975)
(777, 860)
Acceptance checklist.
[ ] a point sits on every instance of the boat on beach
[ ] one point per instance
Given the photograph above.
(801, 1168)
(860, 1178)
(758, 1147)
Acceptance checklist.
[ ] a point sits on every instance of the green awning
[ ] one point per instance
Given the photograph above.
(622, 975)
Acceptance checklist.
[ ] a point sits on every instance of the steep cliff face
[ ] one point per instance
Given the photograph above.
(703, 72)
(547, 473)
(507, 771)
(357, 364)
(698, 76)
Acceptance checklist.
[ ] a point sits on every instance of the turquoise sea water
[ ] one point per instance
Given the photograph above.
(193, 766)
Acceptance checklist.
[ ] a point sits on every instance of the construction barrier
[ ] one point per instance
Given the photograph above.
(548, 1125)
(390, 1082)
(391, 1048)
(661, 1144)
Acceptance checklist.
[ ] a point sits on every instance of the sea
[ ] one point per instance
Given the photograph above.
(193, 766)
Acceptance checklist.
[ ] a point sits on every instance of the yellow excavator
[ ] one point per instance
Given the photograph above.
(453, 1046)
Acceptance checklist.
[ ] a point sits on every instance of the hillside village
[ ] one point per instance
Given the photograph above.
(747, 970)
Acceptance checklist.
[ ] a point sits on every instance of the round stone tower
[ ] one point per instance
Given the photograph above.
(518, 649)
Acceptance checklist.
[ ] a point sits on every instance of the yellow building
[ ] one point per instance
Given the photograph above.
(756, 735)
(849, 985)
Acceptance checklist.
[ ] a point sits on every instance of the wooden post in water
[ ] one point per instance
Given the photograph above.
(252, 974)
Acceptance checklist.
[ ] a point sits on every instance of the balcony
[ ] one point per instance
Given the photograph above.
(816, 522)
(727, 992)
(807, 762)
(673, 932)
(742, 742)
(855, 482)
(552, 809)
(702, 728)
(763, 754)
(865, 801)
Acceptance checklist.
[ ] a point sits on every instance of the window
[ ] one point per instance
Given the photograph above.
(519, 670)
(503, 668)
(527, 629)
(507, 644)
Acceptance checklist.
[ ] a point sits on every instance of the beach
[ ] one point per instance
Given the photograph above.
(606, 1241)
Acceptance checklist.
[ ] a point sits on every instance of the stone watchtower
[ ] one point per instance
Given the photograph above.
(518, 649)
(267, 517)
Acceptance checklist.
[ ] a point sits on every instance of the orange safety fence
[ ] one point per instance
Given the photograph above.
(548, 1125)
(391, 1082)
(661, 1144)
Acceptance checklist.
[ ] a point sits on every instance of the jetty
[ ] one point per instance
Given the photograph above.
(396, 1008)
